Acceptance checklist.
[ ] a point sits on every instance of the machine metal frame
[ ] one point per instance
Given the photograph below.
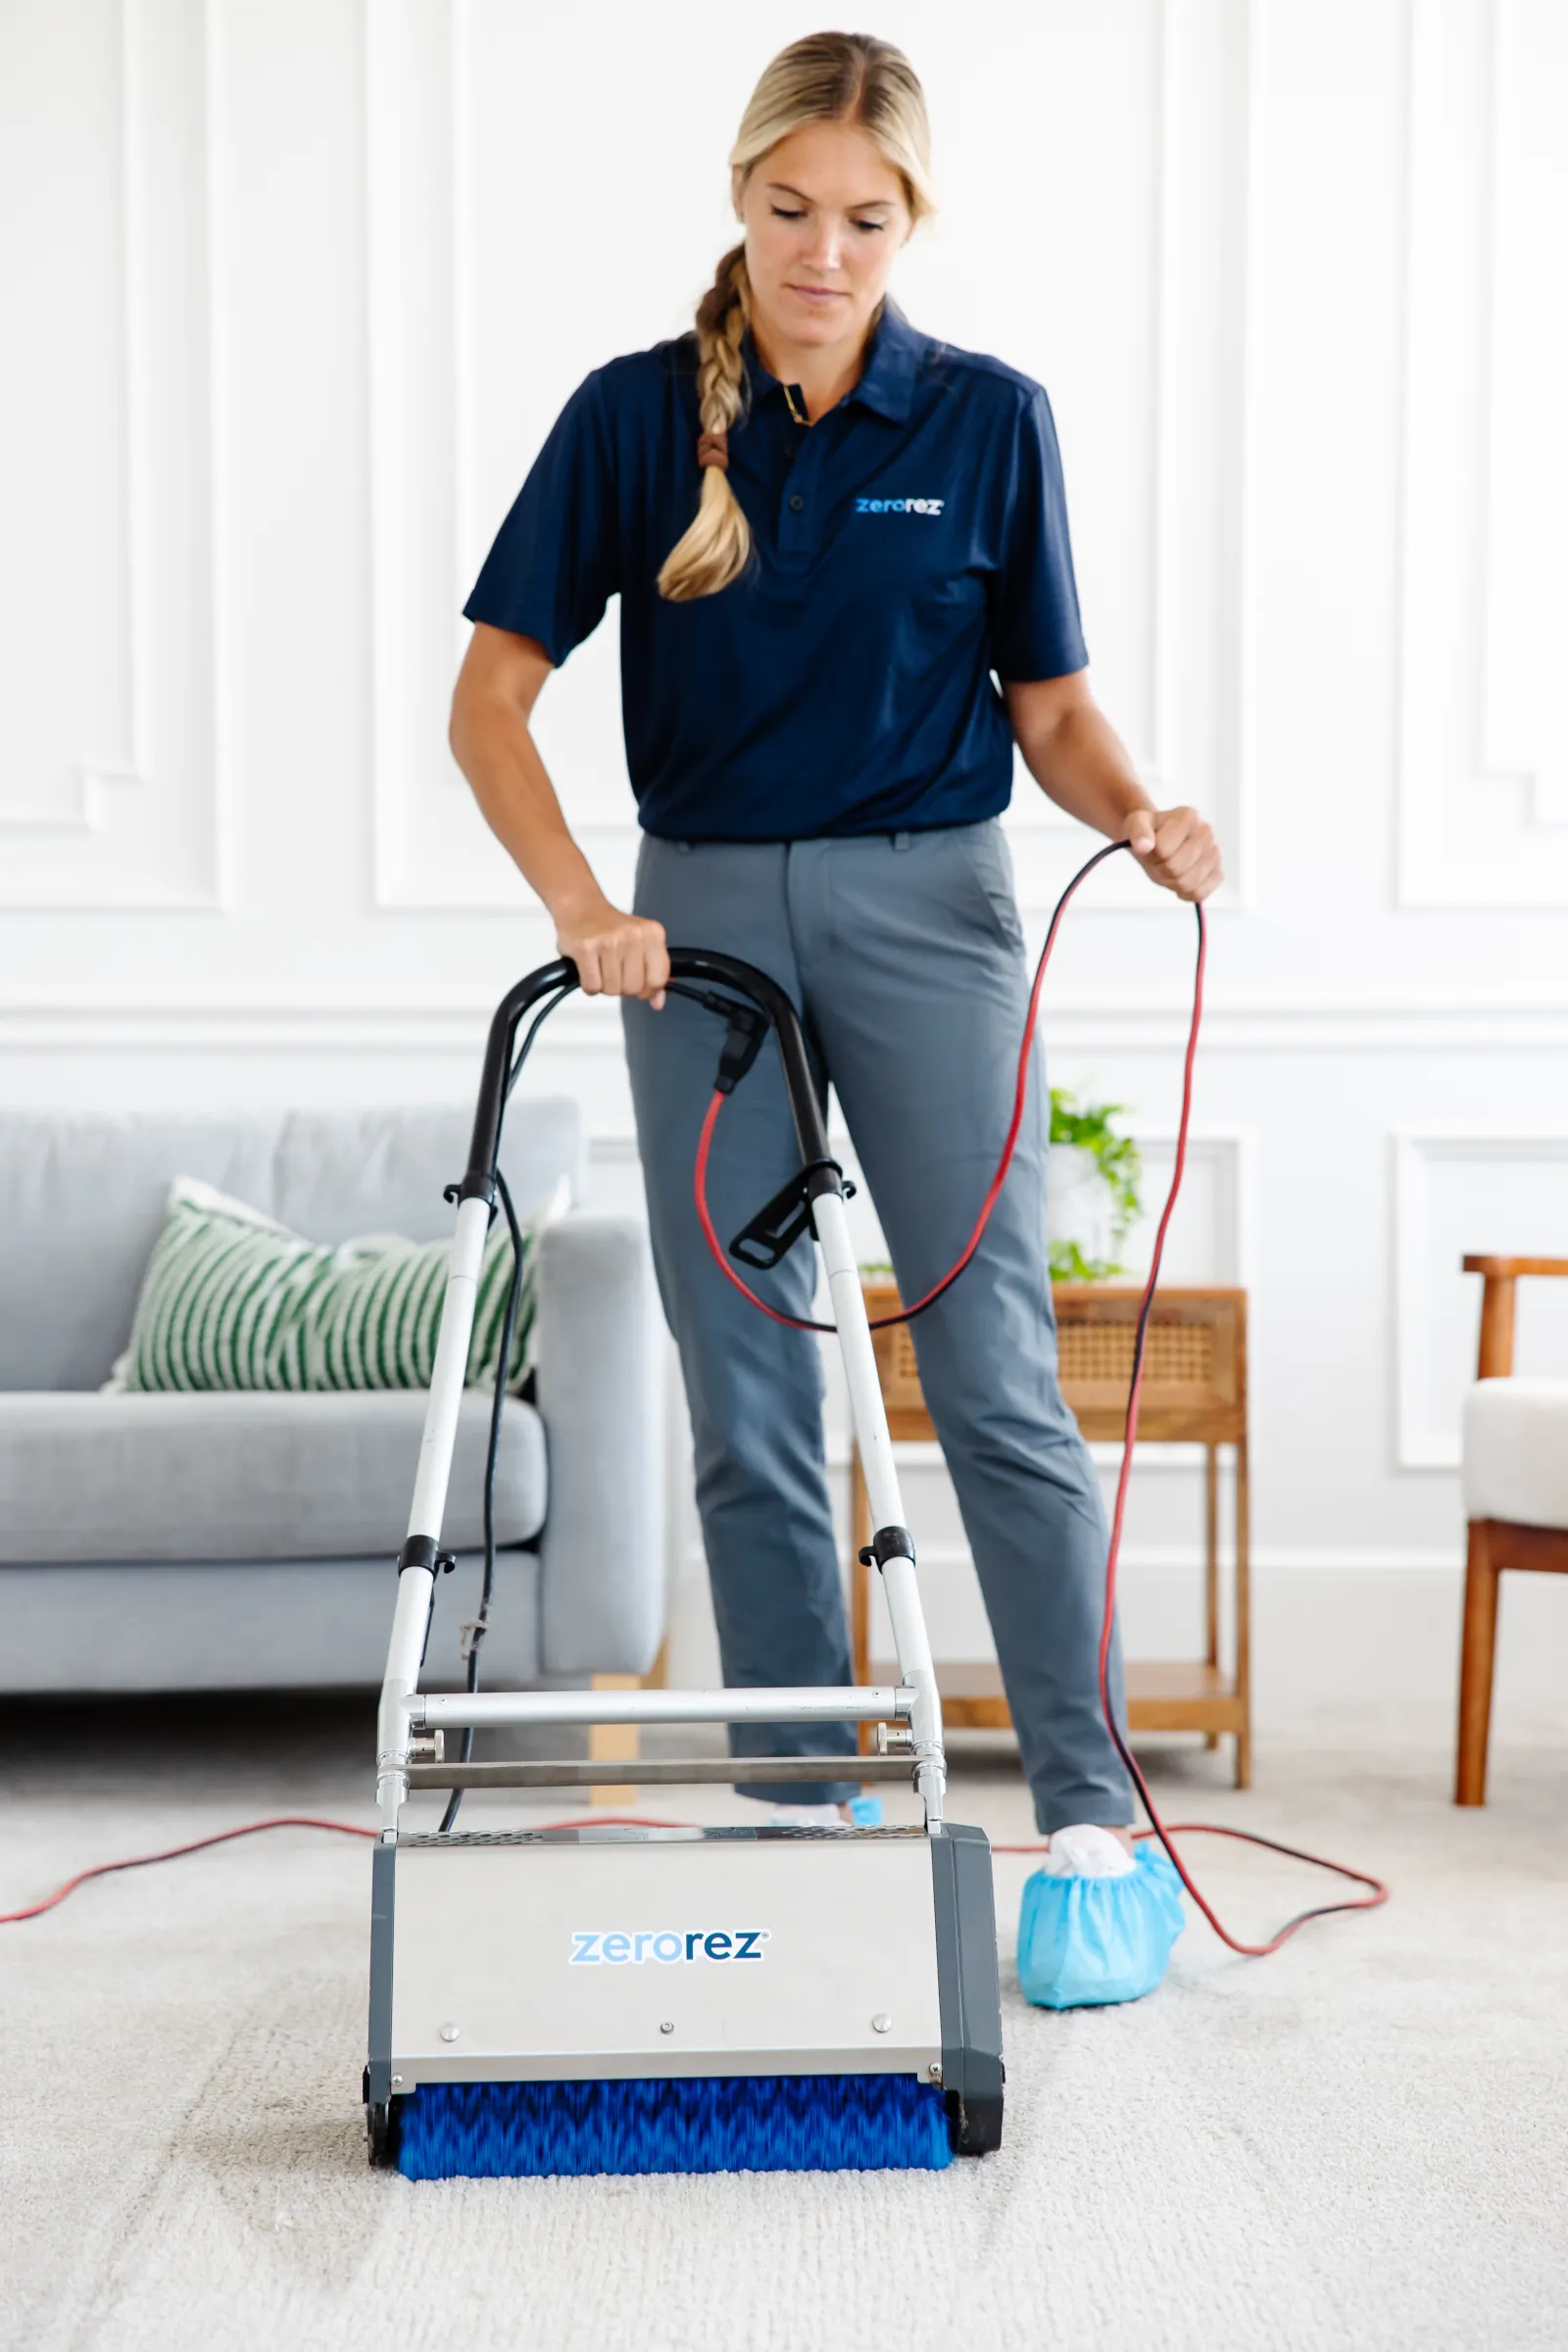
(429, 1924)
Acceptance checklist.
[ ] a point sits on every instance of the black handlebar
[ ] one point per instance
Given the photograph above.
(558, 979)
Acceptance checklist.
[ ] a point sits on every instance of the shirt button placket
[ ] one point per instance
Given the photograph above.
(800, 501)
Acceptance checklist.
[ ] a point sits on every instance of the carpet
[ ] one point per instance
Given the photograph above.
(1361, 2142)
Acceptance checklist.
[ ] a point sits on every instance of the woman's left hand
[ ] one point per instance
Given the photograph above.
(1176, 848)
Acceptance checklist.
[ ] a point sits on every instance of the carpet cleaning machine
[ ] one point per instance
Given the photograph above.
(624, 1999)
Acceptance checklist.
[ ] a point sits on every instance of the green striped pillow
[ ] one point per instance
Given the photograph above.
(232, 1299)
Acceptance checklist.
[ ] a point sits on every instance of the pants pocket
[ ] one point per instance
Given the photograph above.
(984, 865)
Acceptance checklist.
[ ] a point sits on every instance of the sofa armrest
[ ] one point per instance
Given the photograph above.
(602, 1592)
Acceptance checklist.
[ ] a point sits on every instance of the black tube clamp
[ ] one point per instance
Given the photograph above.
(424, 1551)
(479, 1184)
(887, 1544)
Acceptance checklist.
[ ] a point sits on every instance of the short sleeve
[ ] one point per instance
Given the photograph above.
(553, 568)
(1035, 627)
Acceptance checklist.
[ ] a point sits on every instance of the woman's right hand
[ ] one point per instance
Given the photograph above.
(616, 954)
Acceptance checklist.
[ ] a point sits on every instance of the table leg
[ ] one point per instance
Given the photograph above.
(1212, 1535)
(609, 1742)
(1243, 1617)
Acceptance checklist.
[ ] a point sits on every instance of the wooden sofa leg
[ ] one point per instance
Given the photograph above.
(610, 1740)
(1477, 1653)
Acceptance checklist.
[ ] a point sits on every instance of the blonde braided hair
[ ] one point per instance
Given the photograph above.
(717, 547)
(828, 78)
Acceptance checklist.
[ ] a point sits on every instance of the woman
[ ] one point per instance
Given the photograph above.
(828, 531)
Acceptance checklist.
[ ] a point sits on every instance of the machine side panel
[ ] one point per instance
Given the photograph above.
(972, 2072)
(383, 1886)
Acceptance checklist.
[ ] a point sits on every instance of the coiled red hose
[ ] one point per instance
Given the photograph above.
(1378, 1892)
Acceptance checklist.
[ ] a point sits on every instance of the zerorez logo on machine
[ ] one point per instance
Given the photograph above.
(899, 506)
(592, 1945)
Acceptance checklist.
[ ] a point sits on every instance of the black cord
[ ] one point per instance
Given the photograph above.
(549, 1005)
(482, 1624)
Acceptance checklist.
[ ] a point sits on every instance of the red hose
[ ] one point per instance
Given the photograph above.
(1379, 1891)
(1369, 1902)
(1020, 1095)
(280, 1821)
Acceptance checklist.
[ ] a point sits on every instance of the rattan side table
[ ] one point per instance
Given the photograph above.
(1195, 1393)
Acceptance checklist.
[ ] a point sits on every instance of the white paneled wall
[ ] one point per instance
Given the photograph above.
(293, 291)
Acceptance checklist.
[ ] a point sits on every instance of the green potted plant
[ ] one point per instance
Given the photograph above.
(1092, 1197)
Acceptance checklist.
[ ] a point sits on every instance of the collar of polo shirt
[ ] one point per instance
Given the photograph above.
(887, 380)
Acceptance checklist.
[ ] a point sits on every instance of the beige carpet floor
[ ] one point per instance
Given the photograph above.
(1360, 2143)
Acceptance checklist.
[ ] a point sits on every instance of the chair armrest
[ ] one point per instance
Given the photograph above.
(1494, 1357)
(600, 1351)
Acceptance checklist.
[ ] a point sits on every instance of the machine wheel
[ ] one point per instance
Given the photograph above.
(381, 2119)
(974, 2125)
(381, 2132)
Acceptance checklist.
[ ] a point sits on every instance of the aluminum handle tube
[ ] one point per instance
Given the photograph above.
(451, 1370)
(410, 1622)
(831, 1220)
(910, 1641)
(832, 1703)
(417, 1586)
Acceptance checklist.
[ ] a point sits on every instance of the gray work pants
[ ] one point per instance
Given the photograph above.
(905, 957)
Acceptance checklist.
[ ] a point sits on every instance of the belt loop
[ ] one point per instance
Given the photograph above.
(901, 841)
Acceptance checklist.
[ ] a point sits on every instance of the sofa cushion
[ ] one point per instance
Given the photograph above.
(82, 1198)
(84, 1477)
(251, 1624)
(233, 1299)
(1516, 1451)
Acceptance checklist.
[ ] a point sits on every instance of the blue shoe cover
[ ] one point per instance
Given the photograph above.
(1084, 1941)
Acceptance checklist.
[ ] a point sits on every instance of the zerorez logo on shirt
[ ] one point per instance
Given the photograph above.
(899, 506)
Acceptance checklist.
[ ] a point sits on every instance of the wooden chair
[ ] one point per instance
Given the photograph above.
(1516, 1497)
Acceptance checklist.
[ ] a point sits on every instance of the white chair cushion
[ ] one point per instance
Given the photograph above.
(1516, 1451)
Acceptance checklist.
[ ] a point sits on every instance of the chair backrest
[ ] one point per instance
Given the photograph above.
(82, 1201)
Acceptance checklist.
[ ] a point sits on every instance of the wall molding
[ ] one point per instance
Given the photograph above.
(270, 1027)
(395, 385)
(1422, 1444)
(1462, 509)
(78, 802)
(77, 805)
(81, 802)
(1226, 788)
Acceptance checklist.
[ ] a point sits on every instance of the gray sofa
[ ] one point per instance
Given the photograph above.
(202, 1543)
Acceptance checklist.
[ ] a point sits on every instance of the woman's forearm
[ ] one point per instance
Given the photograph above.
(1076, 758)
(492, 742)
(494, 746)
(1079, 760)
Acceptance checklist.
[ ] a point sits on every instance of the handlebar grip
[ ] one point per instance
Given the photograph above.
(561, 978)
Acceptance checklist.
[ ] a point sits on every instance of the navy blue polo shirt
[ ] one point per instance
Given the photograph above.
(909, 544)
